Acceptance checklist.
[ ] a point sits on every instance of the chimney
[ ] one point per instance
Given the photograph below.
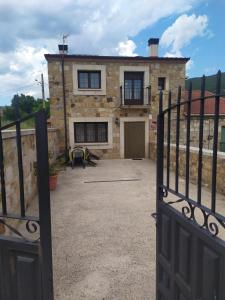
(153, 47)
(63, 49)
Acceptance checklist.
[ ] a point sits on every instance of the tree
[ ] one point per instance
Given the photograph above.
(26, 105)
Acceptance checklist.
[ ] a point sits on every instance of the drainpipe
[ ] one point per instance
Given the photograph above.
(64, 100)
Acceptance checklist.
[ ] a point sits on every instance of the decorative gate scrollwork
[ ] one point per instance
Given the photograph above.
(25, 241)
(190, 234)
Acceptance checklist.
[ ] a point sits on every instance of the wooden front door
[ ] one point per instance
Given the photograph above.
(134, 139)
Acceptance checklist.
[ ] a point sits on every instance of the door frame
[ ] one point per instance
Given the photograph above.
(122, 131)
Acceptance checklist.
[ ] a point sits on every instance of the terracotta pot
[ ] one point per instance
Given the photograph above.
(53, 182)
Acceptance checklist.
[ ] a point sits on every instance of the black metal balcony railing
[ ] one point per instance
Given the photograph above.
(135, 96)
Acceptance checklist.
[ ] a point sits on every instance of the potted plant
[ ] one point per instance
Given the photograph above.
(53, 176)
(54, 168)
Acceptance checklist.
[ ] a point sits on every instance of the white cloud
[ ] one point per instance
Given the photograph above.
(126, 48)
(189, 65)
(182, 31)
(101, 27)
(23, 66)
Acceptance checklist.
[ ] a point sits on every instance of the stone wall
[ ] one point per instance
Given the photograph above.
(193, 165)
(29, 157)
(208, 131)
(106, 106)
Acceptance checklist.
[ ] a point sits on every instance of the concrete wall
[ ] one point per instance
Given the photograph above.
(29, 157)
(106, 104)
(193, 164)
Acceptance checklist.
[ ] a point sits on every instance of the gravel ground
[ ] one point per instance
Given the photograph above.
(103, 232)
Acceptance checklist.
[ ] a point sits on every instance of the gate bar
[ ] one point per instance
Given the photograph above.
(201, 127)
(2, 174)
(159, 181)
(177, 140)
(20, 161)
(215, 140)
(168, 139)
(188, 139)
(44, 204)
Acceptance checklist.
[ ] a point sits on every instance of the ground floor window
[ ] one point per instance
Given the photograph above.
(162, 83)
(91, 132)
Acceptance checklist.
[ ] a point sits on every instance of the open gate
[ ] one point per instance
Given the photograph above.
(25, 248)
(190, 231)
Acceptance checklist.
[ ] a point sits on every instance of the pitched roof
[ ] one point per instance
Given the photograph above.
(105, 57)
(209, 103)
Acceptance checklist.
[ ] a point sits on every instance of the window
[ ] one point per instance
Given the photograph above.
(96, 132)
(161, 83)
(133, 87)
(89, 79)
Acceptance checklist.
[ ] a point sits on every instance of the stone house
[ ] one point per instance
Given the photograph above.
(109, 103)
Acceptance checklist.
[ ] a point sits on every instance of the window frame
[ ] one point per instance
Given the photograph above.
(89, 72)
(132, 76)
(96, 133)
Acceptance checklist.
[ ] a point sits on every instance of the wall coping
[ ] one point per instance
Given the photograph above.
(11, 133)
(206, 152)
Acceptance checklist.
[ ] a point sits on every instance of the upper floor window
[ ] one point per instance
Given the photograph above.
(133, 87)
(89, 79)
(161, 83)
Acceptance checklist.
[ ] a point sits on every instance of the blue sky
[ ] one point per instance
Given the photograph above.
(207, 51)
(190, 28)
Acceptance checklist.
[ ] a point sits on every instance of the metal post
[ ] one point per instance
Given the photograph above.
(64, 106)
(44, 205)
(201, 127)
(188, 140)
(159, 181)
(168, 138)
(43, 89)
(177, 140)
(20, 158)
(215, 141)
(160, 147)
(2, 174)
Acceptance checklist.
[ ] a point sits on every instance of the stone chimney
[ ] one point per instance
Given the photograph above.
(153, 47)
(63, 49)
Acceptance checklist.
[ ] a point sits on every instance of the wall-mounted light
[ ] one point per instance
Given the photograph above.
(117, 121)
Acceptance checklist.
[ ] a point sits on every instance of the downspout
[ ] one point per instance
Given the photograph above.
(64, 107)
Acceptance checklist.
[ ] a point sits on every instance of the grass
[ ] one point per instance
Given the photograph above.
(28, 124)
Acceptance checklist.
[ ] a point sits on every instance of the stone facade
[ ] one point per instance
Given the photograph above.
(107, 106)
(29, 157)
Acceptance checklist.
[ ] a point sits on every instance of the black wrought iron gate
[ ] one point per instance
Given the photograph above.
(190, 230)
(25, 249)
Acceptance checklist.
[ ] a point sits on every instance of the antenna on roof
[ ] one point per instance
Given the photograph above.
(65, 36)
(63, 49)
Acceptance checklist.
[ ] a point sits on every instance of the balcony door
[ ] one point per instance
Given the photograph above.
(133, 88)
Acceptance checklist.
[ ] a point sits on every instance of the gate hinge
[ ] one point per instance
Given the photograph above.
(155, 217)
(163, 191)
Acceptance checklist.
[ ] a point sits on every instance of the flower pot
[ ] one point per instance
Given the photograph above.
(53, 182)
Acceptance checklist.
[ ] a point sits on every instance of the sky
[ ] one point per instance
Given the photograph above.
(31, 28)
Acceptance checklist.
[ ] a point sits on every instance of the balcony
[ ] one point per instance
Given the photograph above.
(135, 97)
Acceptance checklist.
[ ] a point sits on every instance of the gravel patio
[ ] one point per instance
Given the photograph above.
(103, 232)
